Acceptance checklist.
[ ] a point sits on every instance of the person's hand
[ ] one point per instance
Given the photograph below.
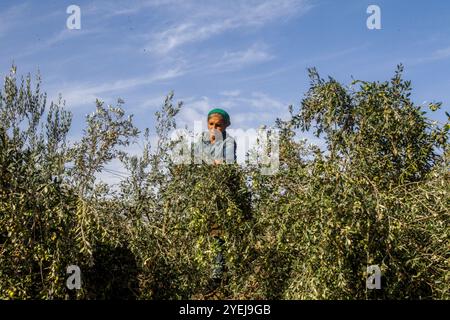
(217, 161)
(212, 136)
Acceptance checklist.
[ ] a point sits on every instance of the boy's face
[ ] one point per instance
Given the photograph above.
(216, 122)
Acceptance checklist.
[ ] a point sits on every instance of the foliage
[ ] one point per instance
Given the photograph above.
(378, 194)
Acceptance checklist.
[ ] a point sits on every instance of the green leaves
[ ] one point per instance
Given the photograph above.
(378, 127)
(435, 106)
(379, 195)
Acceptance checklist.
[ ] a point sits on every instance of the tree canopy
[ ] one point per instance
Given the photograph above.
(378, 195)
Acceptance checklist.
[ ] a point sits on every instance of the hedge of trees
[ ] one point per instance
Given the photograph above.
(378, 194)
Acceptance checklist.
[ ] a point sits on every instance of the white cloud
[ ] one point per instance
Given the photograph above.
(85, 93)
(179, 35)
(149, 103)
(263, 101)
(236, 60)
(194, 110)
(109, 9)
(214, 18)
(441, 54)
(231, 93)
(436, 55)
(255, 109)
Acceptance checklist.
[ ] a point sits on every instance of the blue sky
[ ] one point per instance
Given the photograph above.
(249, 57)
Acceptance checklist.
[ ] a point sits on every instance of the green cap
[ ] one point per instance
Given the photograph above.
(222, 112)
